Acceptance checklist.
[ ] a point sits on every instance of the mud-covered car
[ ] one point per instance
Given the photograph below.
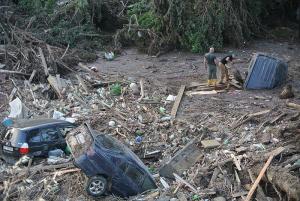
(110, 166)
(33, 137)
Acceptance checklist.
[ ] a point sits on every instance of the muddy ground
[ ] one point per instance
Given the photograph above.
(167, 72)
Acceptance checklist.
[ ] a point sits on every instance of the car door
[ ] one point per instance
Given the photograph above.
(35, 143)
(52, 138)
(128, 180)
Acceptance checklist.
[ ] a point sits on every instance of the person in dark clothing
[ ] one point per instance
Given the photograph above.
(210, 60)
(224, 68)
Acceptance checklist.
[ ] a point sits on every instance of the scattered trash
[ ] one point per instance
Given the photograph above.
(109, 56)
(134, 88)
(18, 110)
(56, 153)
(138, 139)
(112, 123)
(287, 92)
(162, 110)
(7, 122)
(171, 98)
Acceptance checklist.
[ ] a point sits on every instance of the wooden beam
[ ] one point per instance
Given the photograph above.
(177, 101)
(44, 62)
(262, 172)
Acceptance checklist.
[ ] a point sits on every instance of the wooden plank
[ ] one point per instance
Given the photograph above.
(209, 144)
(236, 85)
(44, 61)
(183, 159)
(53, 82)
(195, 84)
(262, 172)
(201, 92)
(177, 101)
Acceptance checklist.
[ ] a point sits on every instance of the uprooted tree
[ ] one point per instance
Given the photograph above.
(193, 24)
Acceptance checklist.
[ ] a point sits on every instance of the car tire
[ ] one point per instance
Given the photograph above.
(96, 186)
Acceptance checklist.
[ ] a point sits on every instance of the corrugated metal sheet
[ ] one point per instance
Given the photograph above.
(266, 72)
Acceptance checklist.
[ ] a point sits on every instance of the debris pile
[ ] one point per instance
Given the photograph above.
(189, 160)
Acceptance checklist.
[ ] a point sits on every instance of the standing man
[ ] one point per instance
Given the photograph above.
(210, 60)
(223, 65)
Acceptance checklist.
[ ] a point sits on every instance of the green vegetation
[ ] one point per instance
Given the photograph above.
(196, 25)
(116, 89)
(70, 23)
(152, 25)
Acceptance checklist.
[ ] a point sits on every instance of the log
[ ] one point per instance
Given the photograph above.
(293, 105)
(177, 101)
(13, 72)
(262, 172)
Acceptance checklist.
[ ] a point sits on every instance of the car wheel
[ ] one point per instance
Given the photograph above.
(96, 186)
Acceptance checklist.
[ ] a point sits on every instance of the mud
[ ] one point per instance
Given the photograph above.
(167, 72)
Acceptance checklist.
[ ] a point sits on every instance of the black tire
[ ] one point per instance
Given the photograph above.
(96, 186)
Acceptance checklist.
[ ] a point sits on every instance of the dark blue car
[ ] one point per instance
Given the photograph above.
(33, 137)
(110, 166)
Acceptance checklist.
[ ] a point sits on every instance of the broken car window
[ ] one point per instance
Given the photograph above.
(49, 134)
(34, 136)
(65, 130)
(108, 143)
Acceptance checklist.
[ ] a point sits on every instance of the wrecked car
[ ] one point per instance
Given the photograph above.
(33, 137)
(110, 166)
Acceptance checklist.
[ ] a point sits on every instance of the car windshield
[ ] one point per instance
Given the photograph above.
(108, 143)
(17, 137)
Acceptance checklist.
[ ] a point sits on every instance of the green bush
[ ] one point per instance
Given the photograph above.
(36, 6)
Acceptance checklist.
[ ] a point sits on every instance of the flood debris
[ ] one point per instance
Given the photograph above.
(209, 151)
